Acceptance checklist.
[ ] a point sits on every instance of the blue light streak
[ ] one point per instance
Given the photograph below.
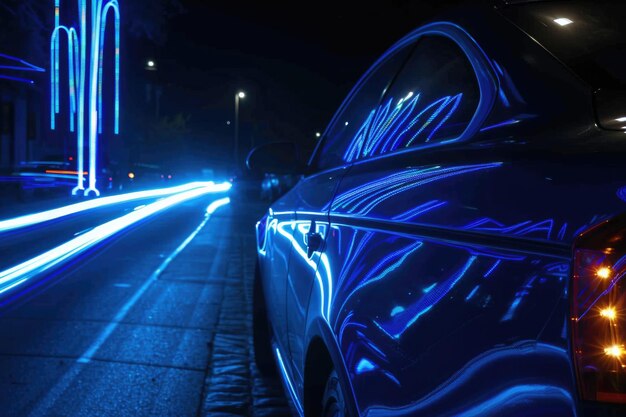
(428, 289)
(326, 288)
(88, 355)
(493, 268)
(364, 198)
(471, 294)
(486, 224)
(217, 204)
(501, 124)
(619, 263)
(283, 371)
(616, 280)
(383, 268)
(26, 66)
(18, 79)
(45, 216)
(27, 270)
(396, 310)
(365, 365)
(621, 193)
(451, 388)
(519, 394)
(511, 311)
(481, 63)
(378, 134)
(398, 324)
(503, 98)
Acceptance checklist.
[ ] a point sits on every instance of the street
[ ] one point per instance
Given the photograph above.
(155, 320)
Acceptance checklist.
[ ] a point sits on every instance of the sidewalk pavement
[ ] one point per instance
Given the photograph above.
(223, 253)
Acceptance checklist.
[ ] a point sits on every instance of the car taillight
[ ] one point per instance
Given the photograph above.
(599, 312)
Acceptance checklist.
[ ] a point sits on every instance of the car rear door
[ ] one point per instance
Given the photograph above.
(450, 247)
(431, 318)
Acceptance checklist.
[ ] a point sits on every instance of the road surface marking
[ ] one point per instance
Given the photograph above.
(64, 382)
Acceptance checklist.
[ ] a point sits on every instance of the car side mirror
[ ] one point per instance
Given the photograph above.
(282, 158)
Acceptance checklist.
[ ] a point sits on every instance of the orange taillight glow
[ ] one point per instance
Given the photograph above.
(614, 351)
(609, 313)
(598, 298)
(63, 172)
(603, 272)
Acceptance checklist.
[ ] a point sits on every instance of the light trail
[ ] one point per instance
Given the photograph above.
(53, 394)
(121, 314)
(25, 271)
(48, 215)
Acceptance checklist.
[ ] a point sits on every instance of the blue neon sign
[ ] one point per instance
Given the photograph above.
(78, 83)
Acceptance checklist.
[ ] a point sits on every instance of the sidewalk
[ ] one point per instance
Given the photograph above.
(223, 254)
(117, 337)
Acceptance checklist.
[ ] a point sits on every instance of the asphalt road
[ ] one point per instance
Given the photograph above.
(137, 326)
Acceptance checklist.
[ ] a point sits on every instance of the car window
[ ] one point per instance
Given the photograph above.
(432, 100)
(348, 125)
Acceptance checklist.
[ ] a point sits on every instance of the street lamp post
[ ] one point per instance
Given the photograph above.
(240, 95)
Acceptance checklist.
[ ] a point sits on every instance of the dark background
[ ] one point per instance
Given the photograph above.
(296, 61)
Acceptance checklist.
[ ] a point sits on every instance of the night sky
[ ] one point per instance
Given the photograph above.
(296, 61)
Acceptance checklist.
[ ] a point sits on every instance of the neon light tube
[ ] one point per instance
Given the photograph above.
(44, 216)
(80, 79)
(27, 270)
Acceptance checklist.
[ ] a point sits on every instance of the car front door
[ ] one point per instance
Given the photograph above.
(313, 195)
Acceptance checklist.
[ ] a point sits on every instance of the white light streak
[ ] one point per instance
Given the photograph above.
(25, 271)
(44, 216)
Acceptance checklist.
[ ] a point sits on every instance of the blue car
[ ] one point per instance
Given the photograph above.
(456, 245)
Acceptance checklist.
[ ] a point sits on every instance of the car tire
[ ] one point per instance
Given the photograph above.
(334, 401)
(263, 355)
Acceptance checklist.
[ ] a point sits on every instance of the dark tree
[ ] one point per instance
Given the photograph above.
(148, 18)
(26, 27)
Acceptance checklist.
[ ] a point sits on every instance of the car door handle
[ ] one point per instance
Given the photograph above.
(313, 240)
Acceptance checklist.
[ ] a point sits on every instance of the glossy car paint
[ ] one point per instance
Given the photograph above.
(442, 284)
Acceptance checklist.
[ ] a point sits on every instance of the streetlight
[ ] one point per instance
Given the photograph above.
(240, 95)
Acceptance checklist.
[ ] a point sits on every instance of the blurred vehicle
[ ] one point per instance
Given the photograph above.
(457, 244)
(50, 176)
(207, 174)
(273, 186)
(53, 175)
(246, 187)
(270, 188)
(143, 175)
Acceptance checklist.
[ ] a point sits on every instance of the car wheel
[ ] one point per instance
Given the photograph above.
(263, 356)
(334, 399)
